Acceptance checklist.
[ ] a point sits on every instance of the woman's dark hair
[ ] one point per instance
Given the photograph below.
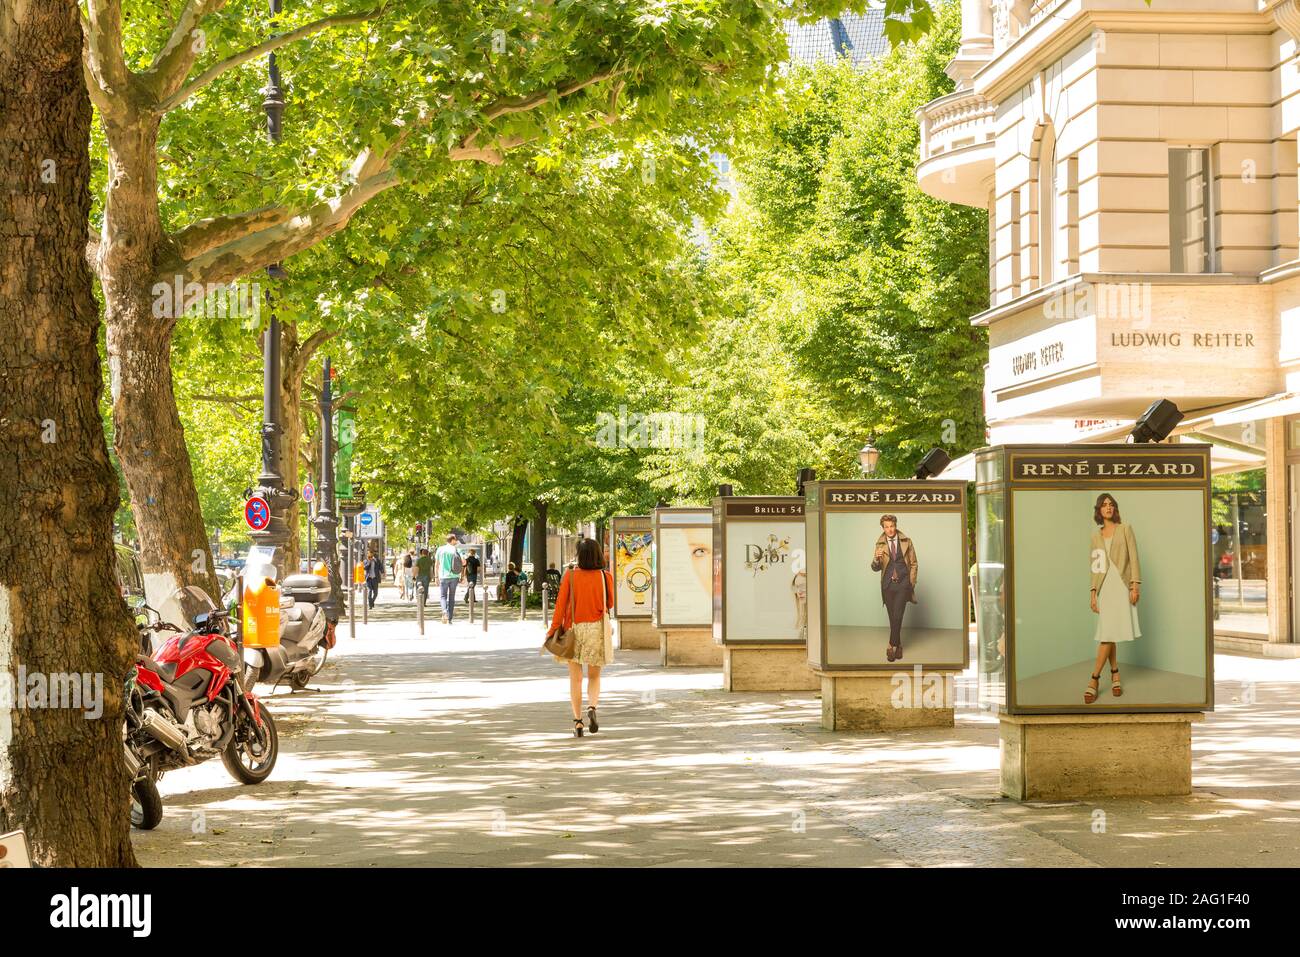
(590, 555)
(1096, 509)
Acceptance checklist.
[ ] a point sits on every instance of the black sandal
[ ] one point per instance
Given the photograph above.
(591, 720)
(577, 727)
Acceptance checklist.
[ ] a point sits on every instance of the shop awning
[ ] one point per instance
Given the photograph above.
(960, 469)
(1284, 403)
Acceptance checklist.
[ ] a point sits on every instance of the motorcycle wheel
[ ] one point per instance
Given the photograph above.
(245, 760)
(146, 805)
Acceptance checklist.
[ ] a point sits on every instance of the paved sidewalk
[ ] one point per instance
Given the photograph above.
(455, 749)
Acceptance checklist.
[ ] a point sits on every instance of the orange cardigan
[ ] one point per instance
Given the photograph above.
(589, 600)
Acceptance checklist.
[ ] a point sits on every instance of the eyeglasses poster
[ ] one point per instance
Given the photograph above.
(684, 568)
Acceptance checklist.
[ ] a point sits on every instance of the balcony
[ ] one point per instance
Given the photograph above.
(957, 148)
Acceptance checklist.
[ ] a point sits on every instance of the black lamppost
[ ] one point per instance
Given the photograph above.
(326, 522)
(270, 483)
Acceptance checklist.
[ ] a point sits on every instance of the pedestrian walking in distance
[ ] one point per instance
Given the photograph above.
(374, 575)
(423, 575)
(472, 565)
(449, 568)
(593, 591)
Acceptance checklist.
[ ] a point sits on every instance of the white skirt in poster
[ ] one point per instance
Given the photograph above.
(685, 560)
(764, 599)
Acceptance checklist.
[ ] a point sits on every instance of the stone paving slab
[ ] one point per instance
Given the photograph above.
(454, 749)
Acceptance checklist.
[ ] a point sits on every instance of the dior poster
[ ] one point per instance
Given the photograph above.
(764, 571)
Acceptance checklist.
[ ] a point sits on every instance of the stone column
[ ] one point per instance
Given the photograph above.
(976, 41)
(1277, 533)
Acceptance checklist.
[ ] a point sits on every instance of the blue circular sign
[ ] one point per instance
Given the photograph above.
(257, 513)
(366, 518)
(308, 492)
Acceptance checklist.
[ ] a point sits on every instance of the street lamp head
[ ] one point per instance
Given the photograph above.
(868, 458)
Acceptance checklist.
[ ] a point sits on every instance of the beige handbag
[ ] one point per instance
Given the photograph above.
(563, 643)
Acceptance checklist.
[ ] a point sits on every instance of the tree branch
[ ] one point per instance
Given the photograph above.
(249, 248)
(171, 65)
(297, 363)
(206, 234)
(170, 99)
(227, 248)
(107, 75)
(227, 399)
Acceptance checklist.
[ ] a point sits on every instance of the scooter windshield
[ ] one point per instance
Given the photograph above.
(194, 603)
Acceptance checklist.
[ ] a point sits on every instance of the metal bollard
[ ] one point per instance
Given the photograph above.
(486, 604)
(523, 601)
(469, 595)
(546, 600)
(419, 605)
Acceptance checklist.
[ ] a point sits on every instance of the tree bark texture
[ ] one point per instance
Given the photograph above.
(62, 777)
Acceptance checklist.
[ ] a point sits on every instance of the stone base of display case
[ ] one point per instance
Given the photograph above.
(887, 701)
(637, 633)
(767, 668)
(1056, 757)
(689, 648)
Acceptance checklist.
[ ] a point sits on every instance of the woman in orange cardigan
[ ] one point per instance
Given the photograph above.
(593, 593)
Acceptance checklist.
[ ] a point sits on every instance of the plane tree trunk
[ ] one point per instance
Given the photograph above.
(62, 777)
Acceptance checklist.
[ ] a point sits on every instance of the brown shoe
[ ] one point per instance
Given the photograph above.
(889, 653)
(898, 653)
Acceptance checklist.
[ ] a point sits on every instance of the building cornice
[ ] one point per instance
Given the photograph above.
(1062, 286)
(1286, 14)
(1069, 25)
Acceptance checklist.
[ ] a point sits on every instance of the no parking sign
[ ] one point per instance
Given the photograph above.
(257, 513)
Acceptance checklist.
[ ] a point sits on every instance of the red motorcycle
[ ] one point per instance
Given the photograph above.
(189, 703)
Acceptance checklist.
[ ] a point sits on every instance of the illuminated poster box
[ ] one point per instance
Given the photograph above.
(631, 551)
(1089, 550)
(683, 567)
(887, 564)
(759, 567)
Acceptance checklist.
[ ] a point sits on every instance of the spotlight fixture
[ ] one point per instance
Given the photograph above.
(1157, 422)
(805, 476)
(725, 491)
(934, 462)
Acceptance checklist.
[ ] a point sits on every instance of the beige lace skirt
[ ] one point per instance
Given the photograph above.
(590, 646)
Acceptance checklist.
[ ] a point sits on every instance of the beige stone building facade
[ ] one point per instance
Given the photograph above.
(1138, 164)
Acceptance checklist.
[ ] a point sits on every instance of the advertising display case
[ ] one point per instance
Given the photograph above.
(887, 575)
(760, 575)
(683, 568)
(631, 550)
(1094, 560)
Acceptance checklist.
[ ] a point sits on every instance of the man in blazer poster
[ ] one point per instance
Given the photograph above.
(895, 559)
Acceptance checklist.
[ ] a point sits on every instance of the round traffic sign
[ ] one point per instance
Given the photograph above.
(257, 513)
(366, 518)
(308, 492)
